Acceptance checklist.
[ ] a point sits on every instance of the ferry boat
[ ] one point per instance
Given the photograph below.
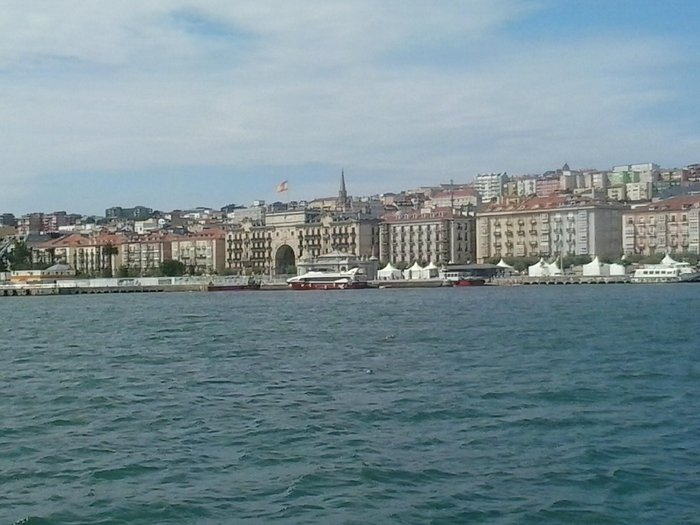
(657, 274)
(316, 280)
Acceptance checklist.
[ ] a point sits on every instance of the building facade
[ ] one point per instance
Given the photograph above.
(550, 226)
(489, 186)
(440, 236)
(289, 236)
(668, 226)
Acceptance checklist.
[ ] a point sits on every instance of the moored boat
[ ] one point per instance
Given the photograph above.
(315, 280)
(470, 281)
(665, 275)
(232, 285)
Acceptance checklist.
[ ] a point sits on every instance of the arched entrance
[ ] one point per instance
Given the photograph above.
(285, 260)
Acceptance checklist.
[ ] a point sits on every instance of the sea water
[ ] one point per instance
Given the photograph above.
(553, 404)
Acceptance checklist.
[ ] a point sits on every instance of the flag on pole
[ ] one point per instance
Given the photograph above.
(283, 186)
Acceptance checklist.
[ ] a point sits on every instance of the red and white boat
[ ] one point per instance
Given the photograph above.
(470, 281)
(350, 280)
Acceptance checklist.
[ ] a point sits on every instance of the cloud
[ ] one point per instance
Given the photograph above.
(410, 90)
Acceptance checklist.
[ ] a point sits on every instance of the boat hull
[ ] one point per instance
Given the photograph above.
(232, 287)
(327, 286)
(470, 282)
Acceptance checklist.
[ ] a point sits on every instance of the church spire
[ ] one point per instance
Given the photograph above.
(342, 194)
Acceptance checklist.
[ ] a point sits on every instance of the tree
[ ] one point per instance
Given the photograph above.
(20, 258)
(172, 268)
(108, 251)
(123, 271)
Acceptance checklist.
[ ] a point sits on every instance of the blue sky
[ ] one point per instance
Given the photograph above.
(177, 103)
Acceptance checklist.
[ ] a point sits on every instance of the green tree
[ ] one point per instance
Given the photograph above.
(123, 271)
(172, 268)
(20, 258)
(108, 253)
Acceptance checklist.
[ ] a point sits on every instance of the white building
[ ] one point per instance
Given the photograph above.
(490, 185)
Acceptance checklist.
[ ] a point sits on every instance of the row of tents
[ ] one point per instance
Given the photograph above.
(541, 268)
(595, 268)
(391, 273)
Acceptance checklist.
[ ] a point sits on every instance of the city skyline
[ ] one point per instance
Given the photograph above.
(179, 104)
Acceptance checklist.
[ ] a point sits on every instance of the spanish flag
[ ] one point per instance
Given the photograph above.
(282, 186)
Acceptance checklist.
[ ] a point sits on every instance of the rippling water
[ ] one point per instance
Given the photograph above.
(493, 405)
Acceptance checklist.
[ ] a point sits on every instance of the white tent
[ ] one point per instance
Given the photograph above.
(669, 261)
(554, 267)
(543, 269)
(617, 269)
(595, 268)
(414, 272)
(431, 271)
(506, 268)
(539, 269)
(503, 264)
(389, 273)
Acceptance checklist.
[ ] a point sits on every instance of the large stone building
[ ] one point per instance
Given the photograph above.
(550, 226)
(671, 225)
(440, 236)
(289, 236)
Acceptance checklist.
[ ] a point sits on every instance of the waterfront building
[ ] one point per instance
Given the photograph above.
(201, 253)
(275, 244)
(440, 235)
(53, 273)
(144, 254)
(84, 253)
(550, 226)
(285, 237)
(667, 226)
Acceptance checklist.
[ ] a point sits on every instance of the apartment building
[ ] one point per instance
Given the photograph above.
(549, 226)
(671, 225)
(201, 253)
(440, 236)
(489, 186)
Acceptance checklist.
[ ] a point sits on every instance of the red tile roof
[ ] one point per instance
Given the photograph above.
(679, 203)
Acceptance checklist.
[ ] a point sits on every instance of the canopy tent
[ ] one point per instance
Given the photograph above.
(414, 272)
(669, 261)
(539, 269)
(431, 271)
(504, 264)
(617, 269)
(389, 273)
(543, 269)
(505, 267)
(595, 268)
(555, 267)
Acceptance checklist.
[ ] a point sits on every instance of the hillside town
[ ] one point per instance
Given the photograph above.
(629, 212)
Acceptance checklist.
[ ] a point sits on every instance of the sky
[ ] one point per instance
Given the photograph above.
(181, 103)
